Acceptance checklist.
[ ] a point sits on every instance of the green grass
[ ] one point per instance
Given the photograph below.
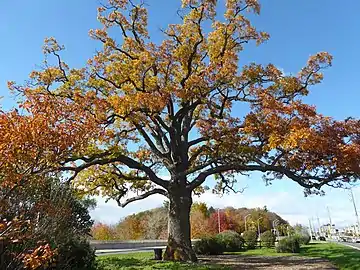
(144, 260)
(343, 257)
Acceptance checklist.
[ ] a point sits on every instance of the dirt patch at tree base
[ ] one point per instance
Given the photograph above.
(267, 262)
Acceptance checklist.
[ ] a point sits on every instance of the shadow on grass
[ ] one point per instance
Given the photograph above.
(342, 256)
(268, 262)
(114, 263)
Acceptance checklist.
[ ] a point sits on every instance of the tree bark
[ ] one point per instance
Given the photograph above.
(179, 240)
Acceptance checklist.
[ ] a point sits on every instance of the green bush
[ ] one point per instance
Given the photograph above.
(76, 254)
(288, 244)
(230, 240)
(304, 239)
(268, 239)
(63, 222)
(208, 246)
(250, 238)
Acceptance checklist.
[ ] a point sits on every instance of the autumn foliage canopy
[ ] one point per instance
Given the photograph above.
(140, 108)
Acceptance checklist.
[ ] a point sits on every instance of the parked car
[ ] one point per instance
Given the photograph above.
(313, 237)
(356, 240)
(322, 238)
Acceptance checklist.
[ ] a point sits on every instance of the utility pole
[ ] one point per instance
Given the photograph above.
(318, 220)
(275, 224)
(355, 209)
(258, 225)
(328, 210)
(330, 227)
(313, 225)
(316, 230)
(311, 229)
(219, 220)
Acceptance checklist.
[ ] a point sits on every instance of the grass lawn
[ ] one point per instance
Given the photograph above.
(144, 260)
(343, 257)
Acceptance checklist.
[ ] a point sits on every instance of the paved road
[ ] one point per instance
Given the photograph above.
(355, 245)
(104, 252)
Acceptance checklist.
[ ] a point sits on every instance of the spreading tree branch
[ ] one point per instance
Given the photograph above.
(141, 197)
(301, 180)
(129, 162)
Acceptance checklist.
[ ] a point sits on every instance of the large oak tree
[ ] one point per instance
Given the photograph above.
(187, 108)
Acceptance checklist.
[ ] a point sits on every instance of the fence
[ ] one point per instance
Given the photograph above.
(129, 244)
(138, 244)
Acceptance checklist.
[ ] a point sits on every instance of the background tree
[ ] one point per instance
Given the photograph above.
(153, 224)
(200, 207)
(263, 218)
(300, 229)
(199, 221)
(131, 227)
(156, 225)
(139, 108)
(100, 231)
(227, 223)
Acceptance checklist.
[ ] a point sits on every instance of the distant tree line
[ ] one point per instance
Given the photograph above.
(153, 224)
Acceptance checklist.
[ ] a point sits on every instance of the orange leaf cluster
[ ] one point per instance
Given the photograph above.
(42, 256)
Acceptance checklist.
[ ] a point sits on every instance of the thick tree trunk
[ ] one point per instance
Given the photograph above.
(179, 242)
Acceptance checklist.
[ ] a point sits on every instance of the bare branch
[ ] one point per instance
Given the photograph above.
(148, 140)
(129, 162)
(301, 180)
(141, 197)
(197, 141)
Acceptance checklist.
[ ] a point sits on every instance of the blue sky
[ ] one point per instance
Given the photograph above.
(297, 28)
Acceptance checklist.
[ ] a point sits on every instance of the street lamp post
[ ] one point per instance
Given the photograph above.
(245, 221)
(318, 221)
(310, 229)
(258, 224)
(330, 225)
(352, 198)
(274, 223)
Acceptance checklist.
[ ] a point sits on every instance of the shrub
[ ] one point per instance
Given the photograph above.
(76, 254)
(250, 238)
(288, 245)
(57, 219)
(230, 240)
(208, 246)
(304, 239)
(268, 239)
